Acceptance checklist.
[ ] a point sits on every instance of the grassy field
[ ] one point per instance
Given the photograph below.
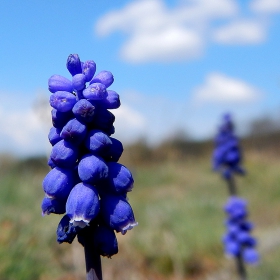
(178, 205)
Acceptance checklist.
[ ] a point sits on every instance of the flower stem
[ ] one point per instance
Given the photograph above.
(241, 267)
(93, 261)
(231, 186)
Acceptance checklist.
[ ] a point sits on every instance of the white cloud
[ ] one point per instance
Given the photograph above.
(172, 43)
(265, 6)
(219, 88)
(22, 130)
(129, 124)
(161, 34)
(241, 32)
(155, 32)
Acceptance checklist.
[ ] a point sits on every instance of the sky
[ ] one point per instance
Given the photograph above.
(178, 65)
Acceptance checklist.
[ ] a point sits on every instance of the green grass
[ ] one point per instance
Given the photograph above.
(179, 209)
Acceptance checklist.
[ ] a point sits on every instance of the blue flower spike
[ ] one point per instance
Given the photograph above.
(86, 182)
(227, 160)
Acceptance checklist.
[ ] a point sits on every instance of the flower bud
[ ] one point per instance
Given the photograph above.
(54, 135)
(78, 81)
(103, 120)
(95, 91)
(64, 154)
(82, 204)
(58, 183)
(84, 111)
(92, 169)
(59, 119)
(119, 178)
(104, 77)
(112, 101)
(73, 64)
(62, 101)
(89, 68)
(74, 132)
(115, 151)
(59, 83)
(97, 142)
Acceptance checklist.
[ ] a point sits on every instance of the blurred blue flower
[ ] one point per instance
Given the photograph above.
(237, 239)
(227, 155)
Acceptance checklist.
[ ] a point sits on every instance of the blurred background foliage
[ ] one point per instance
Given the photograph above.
(177, 200)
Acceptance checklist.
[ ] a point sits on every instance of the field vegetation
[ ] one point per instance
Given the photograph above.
(177, 200)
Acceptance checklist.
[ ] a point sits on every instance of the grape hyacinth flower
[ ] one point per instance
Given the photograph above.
(227, 160)
(86, 183)
(238, 241)
(227, 155)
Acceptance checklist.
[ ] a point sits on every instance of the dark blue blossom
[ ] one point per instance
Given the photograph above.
(238, 240)
(227, 155)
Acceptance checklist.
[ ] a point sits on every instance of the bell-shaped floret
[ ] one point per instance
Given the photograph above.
(117, 213)
(95, 91)
(89, 68)
(53, 205)
(59, 83)
(64, 154)
(82, 205)
(78, 82)
(250, 256)
(84, 111)
(74, 132)
(97, 142)
(105, 241)
(120, 179)
(112, 101)
(115, 151)
(104, 77)
(58, 183)
(62, 101)
(54, 135)
(92, 169)
(60, 119)
(73, 64)
(66, 232)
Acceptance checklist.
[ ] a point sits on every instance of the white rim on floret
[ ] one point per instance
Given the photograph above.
(79, 222)
(128, 227)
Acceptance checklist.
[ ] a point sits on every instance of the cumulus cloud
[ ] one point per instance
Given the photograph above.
(129, 123)
(241, 32)
(161, 34)
(265, 6)
(219, 88)
(22, 132)
(155, 32)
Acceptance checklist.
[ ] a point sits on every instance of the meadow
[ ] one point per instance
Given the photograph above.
(178, 203)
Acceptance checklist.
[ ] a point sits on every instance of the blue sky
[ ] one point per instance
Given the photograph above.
(178, 64)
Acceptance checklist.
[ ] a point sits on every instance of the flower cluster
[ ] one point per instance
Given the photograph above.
(86, 181)
(227, 154)
(238, 240)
